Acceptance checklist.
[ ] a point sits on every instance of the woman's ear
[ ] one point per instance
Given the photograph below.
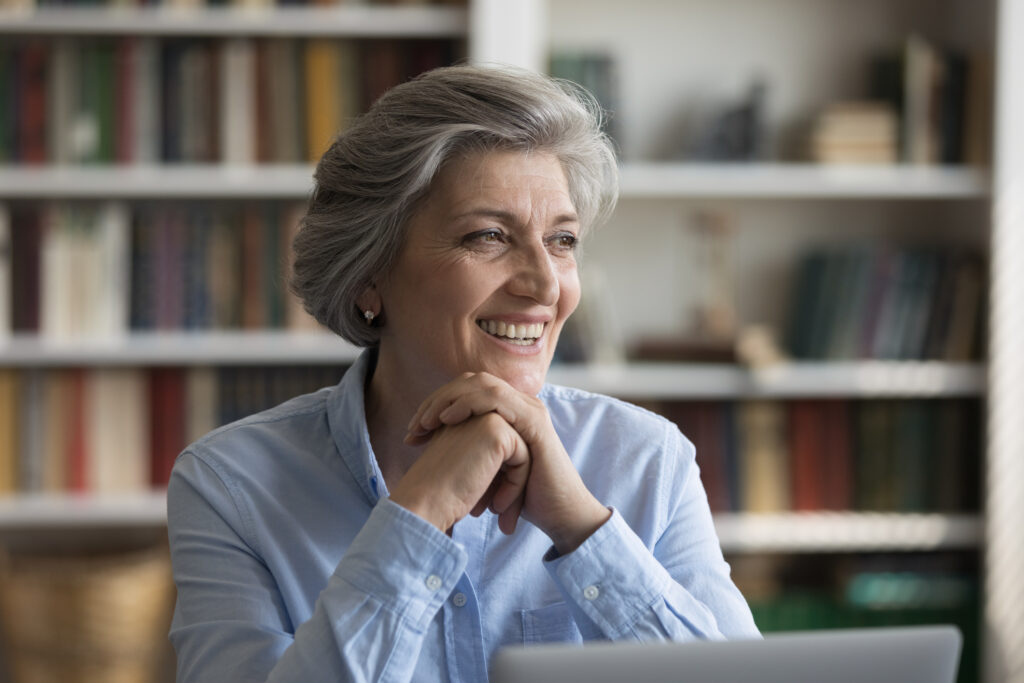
(370, 303)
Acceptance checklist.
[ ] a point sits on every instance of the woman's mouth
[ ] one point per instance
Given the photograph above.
(520, 334)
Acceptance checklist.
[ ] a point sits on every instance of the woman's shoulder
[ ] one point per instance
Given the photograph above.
(299, 419)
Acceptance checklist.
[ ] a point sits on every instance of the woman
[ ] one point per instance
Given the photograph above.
(442, 501)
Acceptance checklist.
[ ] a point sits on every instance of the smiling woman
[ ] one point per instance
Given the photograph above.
(443, 501)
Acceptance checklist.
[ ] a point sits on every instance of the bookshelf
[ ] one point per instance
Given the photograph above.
(810, 52)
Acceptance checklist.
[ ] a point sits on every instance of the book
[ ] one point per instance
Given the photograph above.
(7, 292)
(61, 101)
(117, 426)
(808, 451)
(836, 456)
(874, 457)
(283, 108)
(33, 424)
(702, 422)
(145, 105)
(238, 133)
(167, 421)
(331, 94)
(763, 455)
(8, 430)
(57, 404)
(32, 102)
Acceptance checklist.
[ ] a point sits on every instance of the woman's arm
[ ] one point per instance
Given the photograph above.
(617, 586)
(231, 622)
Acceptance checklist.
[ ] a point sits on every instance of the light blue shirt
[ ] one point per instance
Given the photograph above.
(293, 565)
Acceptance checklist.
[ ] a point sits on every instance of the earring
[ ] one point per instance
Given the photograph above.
(369, 315)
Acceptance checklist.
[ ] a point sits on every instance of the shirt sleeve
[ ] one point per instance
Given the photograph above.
(619, 589)
(230, 621)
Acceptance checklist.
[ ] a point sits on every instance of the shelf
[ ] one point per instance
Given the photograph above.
(221, 348)
(638, 181)
(47, 511)
(339, 21)
(800, 181)
(884, 379)
(171, 181)
(847, 532)
(784, 532)
(896, 379)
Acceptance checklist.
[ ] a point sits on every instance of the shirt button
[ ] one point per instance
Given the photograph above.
(591, 592)
(459, 599)
(433, 582)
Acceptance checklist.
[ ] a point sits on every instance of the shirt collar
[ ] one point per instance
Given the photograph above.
(346, 416)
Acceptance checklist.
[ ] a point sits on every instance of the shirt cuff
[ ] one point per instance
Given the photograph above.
(612, 577)
(404, 562)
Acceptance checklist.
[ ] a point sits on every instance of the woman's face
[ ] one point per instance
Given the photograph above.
(487, 276)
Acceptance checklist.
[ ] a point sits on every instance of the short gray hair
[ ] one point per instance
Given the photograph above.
(368, 183)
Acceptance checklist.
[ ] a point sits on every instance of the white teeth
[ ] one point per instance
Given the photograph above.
(520, 334)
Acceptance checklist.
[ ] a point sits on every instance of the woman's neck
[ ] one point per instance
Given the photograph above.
(390, 402)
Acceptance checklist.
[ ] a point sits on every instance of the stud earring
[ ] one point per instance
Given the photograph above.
(369, 315)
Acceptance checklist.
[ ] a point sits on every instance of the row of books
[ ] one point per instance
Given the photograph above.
(869, 455)
(98, 271)
(887, 303)
(235, 100)
(120, 429)
(925, 104)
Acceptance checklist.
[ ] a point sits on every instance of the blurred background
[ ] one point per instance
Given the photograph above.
(810, 270)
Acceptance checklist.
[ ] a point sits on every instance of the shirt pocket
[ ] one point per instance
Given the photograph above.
(550, 624)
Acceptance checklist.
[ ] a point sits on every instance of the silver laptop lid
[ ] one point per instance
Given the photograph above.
(918, 654)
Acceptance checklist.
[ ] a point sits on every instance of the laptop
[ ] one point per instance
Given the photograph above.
(909, 654)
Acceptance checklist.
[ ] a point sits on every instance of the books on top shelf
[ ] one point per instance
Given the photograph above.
(887, 303)
(925, 104)
(828, 455)
(142, 100)
(120, 429)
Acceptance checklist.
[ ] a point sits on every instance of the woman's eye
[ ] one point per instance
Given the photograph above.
(565, 241)
(485, 237)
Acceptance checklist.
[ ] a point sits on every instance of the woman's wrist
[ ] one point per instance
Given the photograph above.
(568, 538)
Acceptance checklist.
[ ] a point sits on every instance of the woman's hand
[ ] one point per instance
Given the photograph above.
(555, 498)
(467, 467)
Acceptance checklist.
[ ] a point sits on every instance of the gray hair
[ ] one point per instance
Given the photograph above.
(368, 183)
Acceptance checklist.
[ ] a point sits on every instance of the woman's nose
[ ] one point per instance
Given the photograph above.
(535, 276)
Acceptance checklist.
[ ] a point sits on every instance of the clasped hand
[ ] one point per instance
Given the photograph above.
(490, 446)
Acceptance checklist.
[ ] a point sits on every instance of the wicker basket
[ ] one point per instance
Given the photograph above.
(93, 618)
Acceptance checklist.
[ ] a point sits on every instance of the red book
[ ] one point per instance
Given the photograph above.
(125, 63)
(77, 442)
(32, 148)
(167, 421)
(808, 451)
